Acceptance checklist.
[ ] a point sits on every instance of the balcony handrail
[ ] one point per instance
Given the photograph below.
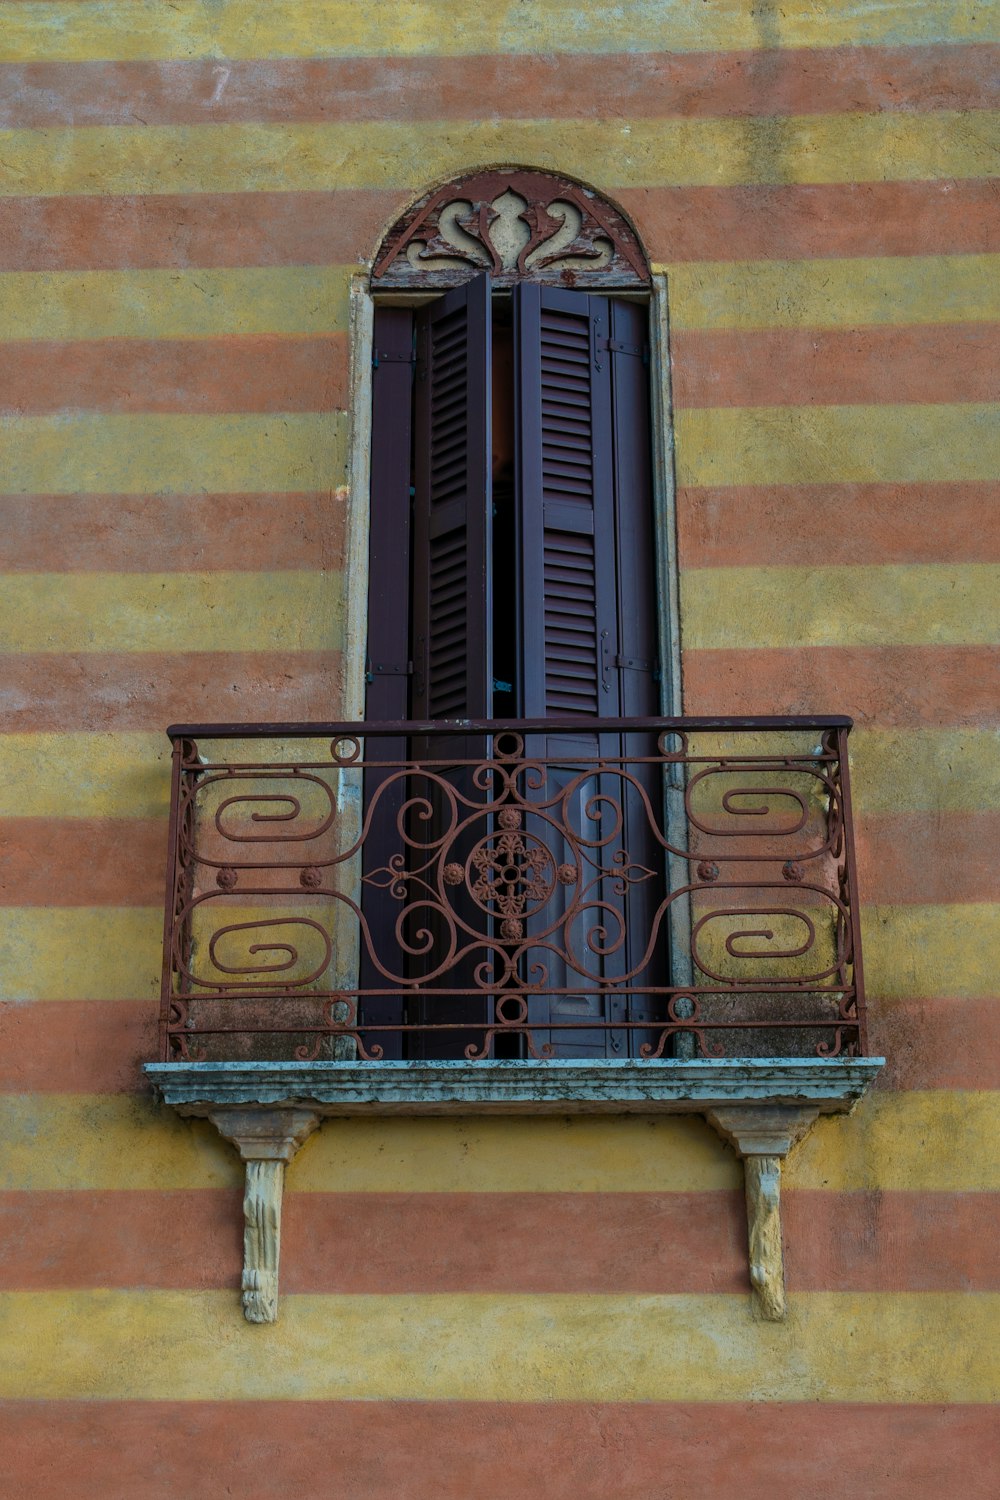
(323, 729)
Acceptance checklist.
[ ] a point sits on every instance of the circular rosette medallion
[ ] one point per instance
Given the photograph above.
(511, 873)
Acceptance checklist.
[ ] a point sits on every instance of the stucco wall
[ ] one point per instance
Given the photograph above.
(516, 1309)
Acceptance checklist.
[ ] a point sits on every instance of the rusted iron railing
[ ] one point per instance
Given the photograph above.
(569, 888)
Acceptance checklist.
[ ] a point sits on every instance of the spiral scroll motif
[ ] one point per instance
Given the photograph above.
(508, 880)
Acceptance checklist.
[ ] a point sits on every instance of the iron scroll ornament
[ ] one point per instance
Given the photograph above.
(517, 224)
(514, 883)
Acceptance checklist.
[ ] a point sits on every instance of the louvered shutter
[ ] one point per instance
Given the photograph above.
(451, 508)
(389, 656)
(565, 502)
(452, 601)
(581, 488)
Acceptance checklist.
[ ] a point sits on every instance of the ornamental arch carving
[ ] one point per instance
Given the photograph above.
(518, 224)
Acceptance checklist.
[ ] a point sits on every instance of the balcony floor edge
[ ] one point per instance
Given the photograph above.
(558, 1086)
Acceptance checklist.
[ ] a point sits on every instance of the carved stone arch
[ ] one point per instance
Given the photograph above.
(518, 224)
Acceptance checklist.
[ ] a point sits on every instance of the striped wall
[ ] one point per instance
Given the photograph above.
(498, 1308)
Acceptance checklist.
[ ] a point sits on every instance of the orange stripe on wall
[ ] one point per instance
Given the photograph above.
(587, 1243)
(151, 689)
(928, 857)
(99, 1046)
(791, 222)
(171, 533)
(66, 861)
(82, 861)
(831, 367)
(936, 1044)
(780, 222)
(193, 229)
(82, 1450)
(511, 86)
(238, 373)
(77, 1046)
(747, 525)
(892, 686)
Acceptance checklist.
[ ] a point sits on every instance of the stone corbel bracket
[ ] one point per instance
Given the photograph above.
(266, 1139)
(763, 1137)
(761, 1106)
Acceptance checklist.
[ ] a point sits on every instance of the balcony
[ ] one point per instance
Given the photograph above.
(546, 916)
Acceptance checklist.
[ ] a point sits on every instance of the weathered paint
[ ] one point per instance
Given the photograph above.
(652, 1243)
(160, 304)
(847, 293)
(187, 192)
(817, 606)
(592, 1448)
(274, 158)
(161, 1345)
(858, 444)
(239, 28)
(160, 611)
(915, 1142)
(795, 80)
(147, 452)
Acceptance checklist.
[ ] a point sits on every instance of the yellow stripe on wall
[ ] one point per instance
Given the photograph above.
(167, 1345)
(109, 953)
(905, 1143)
(214, 301)
(80, 953)
(109, 1141)
(285, 611)
(143, 454)
(393, 154)
(104, 775)
(113, 775)
(932, 952)
(899, 605)
(933, 1141)
(174, 303)
(846, 293)
(85, 775)
(76, 31)
(925, 770)
(831, 444)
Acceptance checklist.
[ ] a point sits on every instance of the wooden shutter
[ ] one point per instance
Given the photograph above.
(452, 595)
(584, 541)
(565, 502)
(389, 655)
(451, 508)
(389, 527)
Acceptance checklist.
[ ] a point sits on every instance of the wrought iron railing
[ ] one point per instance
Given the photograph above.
(582, 888)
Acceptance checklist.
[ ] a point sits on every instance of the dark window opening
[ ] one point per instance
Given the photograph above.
(513, 576)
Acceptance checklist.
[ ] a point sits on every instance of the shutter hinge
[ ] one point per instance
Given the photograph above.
(387, 669)
(634, 664)
(615, 346)
(382, 357)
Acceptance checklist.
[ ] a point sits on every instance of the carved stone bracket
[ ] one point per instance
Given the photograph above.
(517, 224)
(761, 1106)
(266, 1139)
(763, 1137)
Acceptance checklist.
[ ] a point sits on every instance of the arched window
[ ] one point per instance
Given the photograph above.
(511, 477)
(512, 548)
